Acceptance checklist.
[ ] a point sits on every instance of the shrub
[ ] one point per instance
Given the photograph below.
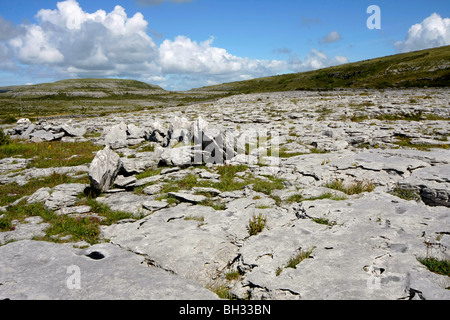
(8, 119)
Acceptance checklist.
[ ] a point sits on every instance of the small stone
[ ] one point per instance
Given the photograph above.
(72, 210)
(152, 189)
(41, 195)
(154, 205)
(186, 197)
(123, 182)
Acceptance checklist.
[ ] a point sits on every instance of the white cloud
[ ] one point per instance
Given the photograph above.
(315, 60)
(202, 63)
(333, 36)
(6, 58)
(433, 31)
(34, 47)
(183, 55)
(69, 42)
(81, 43)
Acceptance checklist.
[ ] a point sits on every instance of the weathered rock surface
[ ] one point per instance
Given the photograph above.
(177, 245)
(125, 201)
(116, 136)
(105, 272)
(364, 246)
(24, 176)
(369, 253)
(31, 227)
(64, 195)
(432, 183)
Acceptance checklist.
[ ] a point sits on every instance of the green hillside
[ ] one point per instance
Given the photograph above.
(429, 68)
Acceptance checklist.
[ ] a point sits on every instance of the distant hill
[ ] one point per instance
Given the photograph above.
(89, 97)
(425, 68)
(87, 87)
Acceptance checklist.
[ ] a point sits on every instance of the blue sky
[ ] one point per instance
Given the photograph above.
(183, 44)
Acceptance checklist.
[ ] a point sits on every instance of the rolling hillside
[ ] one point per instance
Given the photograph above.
(429, 68)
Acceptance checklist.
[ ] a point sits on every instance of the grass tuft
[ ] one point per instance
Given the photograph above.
(256, 224)
(436, 265)
(350, 189)
(405, 193)
(296, 260)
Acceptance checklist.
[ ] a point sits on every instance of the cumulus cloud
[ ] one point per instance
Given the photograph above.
(77, 42)
(333, 36)
(211, 65)
(183, 55)
(315, 60)
(433, 31)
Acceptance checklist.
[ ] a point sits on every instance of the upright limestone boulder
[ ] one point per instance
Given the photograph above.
(104, 169)
(116, 136)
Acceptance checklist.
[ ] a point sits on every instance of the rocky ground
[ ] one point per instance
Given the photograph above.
(325, 195)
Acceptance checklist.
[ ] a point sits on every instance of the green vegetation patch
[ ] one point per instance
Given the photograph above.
(405, 142)
(51, 154)
(267, 187)
(327, 195)
(350, 189)
(405, 193)
(296, 260)
(77, 228)
(436, 265)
